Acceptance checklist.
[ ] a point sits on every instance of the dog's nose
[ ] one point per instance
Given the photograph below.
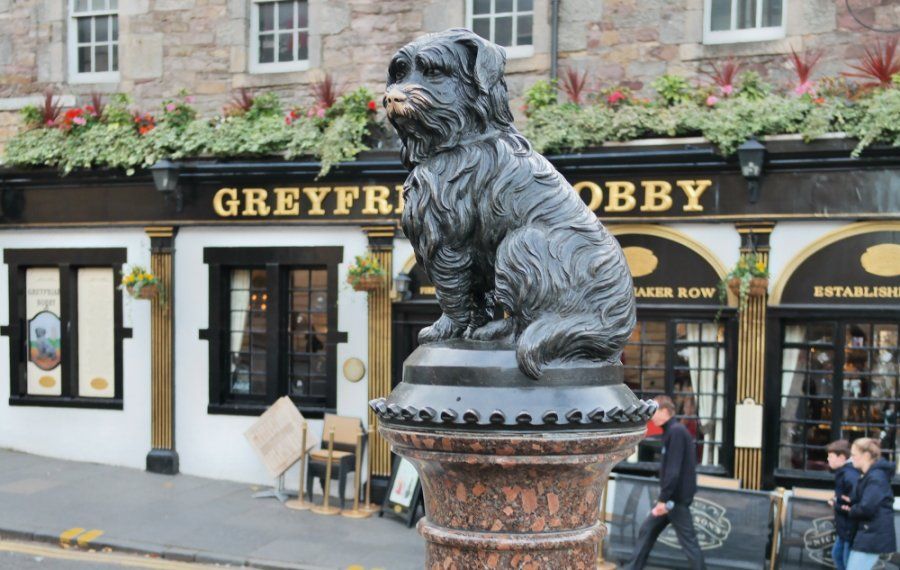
(394, 96)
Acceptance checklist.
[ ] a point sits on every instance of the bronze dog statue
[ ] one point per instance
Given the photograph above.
(494, 225)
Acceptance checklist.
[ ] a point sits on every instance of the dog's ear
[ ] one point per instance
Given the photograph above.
(488, 60)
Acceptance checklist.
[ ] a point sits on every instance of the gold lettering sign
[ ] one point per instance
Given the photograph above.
(612, 196)
(856, 292)
(675, 292)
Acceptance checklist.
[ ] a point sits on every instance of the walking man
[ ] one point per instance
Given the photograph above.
(677, 485)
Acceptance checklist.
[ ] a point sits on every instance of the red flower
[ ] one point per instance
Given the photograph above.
(372, 105)
(72, 113)
(615, 97)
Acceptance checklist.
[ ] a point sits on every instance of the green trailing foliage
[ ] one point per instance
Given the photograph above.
(121, 137)
(115, 135)
(726, 119)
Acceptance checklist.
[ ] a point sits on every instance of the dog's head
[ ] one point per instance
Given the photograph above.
(443, 88)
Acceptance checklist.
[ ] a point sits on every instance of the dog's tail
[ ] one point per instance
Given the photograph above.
(564, 338)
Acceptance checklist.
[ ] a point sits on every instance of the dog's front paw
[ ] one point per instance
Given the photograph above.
(442, 329)
(503, 329)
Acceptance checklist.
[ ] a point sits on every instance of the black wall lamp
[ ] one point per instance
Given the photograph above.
(165, 177)
(401, 286)
(752, 155)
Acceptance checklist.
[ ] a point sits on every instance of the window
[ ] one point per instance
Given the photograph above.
(686, 360)
(507, 23)
(276, 310)
(732, 21)
(65, 327)
(839, 380)
(279, 36)
(93, 41)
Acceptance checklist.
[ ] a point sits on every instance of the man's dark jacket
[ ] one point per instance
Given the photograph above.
(678, 470)
(845, 479)
(872, 510)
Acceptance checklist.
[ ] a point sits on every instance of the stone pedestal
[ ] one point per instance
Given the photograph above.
(512, 468)
(513, 500)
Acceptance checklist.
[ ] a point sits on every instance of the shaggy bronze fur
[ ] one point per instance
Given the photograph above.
(492, 222)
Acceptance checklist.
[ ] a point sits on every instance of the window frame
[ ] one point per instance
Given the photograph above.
(734, 36)
(513, 52)
(76, 76)
(728, 320)
(68, 261)
(277, 262)
(777, 320)
(254, 65)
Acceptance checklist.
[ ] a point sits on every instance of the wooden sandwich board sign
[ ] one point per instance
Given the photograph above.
(404, 492)
(277, 438)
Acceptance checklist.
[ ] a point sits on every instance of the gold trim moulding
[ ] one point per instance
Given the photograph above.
(160, 231)
(358, 222)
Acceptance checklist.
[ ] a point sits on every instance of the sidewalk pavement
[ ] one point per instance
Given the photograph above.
(189, 518)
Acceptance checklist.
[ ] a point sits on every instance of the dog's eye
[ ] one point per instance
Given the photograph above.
(400, 71)
(433, 72)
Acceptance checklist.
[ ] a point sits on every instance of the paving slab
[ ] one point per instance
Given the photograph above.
(190, 518)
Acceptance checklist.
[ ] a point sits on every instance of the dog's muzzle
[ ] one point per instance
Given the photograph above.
(396, 103)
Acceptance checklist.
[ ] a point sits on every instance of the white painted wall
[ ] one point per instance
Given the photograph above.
(115, 437)
(721, 239)
(214, 445)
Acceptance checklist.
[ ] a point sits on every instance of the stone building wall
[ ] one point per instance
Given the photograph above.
(202, 45)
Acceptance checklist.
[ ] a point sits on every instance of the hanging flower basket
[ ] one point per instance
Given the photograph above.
(366, 282)
(749, 278)
(148, 291)
(140, 283)
(366, 274)
(757, 287)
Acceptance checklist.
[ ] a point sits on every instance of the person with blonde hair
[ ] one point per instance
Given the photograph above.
(870, 506)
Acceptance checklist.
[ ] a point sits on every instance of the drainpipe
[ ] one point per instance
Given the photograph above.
(554, 38)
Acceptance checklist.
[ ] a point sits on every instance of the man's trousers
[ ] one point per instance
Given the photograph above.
(680, 519)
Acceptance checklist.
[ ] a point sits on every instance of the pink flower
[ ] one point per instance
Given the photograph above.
(189, 99)
(288, 120)
(805, 88)
(171, 107)
(712, 100)
(79, 121)
(727, 89)
(615, 97)
(320, 113)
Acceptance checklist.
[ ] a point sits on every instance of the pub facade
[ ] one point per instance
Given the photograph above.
(254, 304)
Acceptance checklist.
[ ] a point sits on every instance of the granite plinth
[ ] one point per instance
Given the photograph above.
(512, 500)
(512, 467)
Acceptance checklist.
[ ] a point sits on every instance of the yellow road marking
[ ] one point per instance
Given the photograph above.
(66, 536)
(130, 561)
(90, 535)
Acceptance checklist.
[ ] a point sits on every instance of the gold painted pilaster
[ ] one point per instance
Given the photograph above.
(162, 457)
(381, 244)
(751, 350)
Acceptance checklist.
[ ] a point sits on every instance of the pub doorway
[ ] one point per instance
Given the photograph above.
(411, 315)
